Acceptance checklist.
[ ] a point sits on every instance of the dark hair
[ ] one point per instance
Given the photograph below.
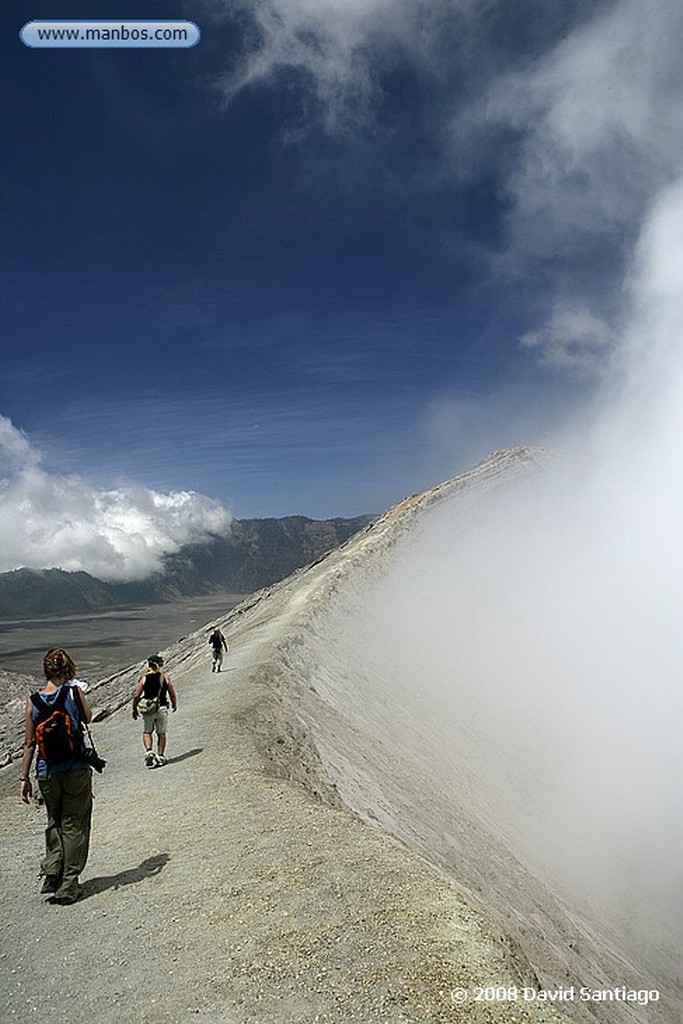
(155, 660)
(59, 665)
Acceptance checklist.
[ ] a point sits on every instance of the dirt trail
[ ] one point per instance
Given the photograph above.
(216, 892)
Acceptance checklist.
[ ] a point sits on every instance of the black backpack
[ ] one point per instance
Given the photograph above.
(150, 705)
(57, 738)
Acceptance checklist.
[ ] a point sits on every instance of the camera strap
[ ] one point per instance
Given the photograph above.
(84, 725)
(90, 739)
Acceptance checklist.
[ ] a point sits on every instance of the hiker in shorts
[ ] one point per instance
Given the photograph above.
(219, 645)
(151, 699)
(53, 725)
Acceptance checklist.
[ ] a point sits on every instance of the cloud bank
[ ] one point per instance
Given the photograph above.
(67, 522)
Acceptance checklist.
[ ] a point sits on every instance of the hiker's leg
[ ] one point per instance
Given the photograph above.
(76, 818)
(148, 725)
(52, 864)
(147, 730)
(161, 726)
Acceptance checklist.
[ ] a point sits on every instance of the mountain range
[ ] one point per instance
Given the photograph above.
(254, 554)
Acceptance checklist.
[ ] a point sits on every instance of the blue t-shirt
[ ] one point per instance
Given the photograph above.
(43, 771)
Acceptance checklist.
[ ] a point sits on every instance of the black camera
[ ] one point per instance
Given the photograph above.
(91, 756)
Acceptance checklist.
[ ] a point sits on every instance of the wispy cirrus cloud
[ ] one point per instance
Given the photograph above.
(340, 50)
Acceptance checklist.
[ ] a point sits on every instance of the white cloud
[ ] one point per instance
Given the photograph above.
(67, 522)
(598, 113)
(340, 47)
(642, 403)
(572, 339)
(15, 447)
(595, 121)
(599, 117)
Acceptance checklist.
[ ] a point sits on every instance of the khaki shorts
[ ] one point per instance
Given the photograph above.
(158, 721)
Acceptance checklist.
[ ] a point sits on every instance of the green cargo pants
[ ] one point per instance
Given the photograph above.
(68, 801)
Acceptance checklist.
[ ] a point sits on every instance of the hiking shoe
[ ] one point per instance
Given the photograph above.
(161, 760)
(50, 884)
(69, 899)
(150, 759)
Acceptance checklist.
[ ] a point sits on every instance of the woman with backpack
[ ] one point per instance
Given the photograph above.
(53, 727)
(151, 699)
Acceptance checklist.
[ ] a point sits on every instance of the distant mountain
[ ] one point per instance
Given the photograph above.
(28, 592)
(256, 553)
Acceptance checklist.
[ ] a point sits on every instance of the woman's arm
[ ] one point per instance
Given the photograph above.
(82, 702)
(27, 755)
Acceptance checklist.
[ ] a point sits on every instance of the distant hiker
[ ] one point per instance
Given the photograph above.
(219, 645)
(53, 719)
(151, 699)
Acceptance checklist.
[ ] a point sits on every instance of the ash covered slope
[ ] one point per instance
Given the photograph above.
(377, 707)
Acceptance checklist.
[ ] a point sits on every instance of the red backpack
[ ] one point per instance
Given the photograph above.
(57, 738)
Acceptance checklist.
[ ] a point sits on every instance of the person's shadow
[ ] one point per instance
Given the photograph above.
(149, 867)
(183, 757)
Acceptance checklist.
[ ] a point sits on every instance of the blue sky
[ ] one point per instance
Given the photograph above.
(331, 255)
